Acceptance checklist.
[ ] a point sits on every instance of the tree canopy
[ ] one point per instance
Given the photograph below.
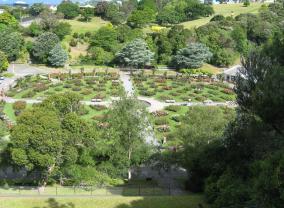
(135, 54)
(192, 57)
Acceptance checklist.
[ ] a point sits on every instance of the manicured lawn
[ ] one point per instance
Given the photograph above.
(9, 111)
(82, 27)
(191, 201)
(181, 89)
(226, 10)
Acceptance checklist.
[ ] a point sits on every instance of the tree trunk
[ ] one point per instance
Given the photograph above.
(129, 169)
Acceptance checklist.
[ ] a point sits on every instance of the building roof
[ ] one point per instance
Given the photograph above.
(233, 71)
(20, 2)
(87, 6)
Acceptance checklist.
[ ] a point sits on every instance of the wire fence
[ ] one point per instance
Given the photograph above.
(138, 190)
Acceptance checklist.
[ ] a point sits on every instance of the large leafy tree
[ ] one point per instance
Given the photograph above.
(106, 38)
(37, 8)
(37, 142)
(11, 43)
(69, 9)
(57, 56)
(192, 57)
(135, 54)
(49, 20)
(199, 127)
(87, 14)
(43, 45)
(8, 20)
(62, 29)
(140, 18)
(127, 133)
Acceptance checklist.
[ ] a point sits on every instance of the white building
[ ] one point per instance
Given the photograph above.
(231, 73)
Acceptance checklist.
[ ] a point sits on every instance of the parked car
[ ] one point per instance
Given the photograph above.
(2, 78)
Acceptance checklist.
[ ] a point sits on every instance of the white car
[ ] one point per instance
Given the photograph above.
(2, 78)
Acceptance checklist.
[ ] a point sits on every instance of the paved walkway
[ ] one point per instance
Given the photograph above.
(126, 82)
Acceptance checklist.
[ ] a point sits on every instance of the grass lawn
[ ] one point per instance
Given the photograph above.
(190, 201)
(9, 111)
(82, 27)
(226, 10)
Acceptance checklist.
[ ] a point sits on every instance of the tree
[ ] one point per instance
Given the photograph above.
(101, 8)
(113, 14)
(100, 56)
(45, 142)
(37, 8)
(63, 103)
(43, 45)
(62, 29)
(127, 131)
(69, 9)
(8, 20)
(11, 43)
(135, 54)
(140, 18)
(57, 56)
(253, 93)
(34, 29)
(246, 3)
(3, 62)
(192, 57)
(49, 20)
(106, 38)
(178, 37)
(199, 127)
(87, 14)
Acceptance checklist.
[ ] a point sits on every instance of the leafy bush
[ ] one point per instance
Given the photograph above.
(173, 108)
(19, 105)
(76, 89)
(29, 94)
(176, 118)
(161, 121)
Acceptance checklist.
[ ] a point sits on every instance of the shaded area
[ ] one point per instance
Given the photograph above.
(52, 203)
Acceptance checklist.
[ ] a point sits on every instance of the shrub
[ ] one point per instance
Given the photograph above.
(164, 97)
(164, 128)
(67, 86)
(167, 88)
(86, 92)
(19, 105)
(39, 87)
(228, 91)
(77, 82)
(58, 89)
(29, 94)
(173, 108)
(161, 121)
(159, 113)
(76, 89)
(147, 93)
(83, 110)
(73, 42)
(176, 118)
(98, 107)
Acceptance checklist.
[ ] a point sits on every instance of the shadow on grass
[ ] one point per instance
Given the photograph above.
(52, 203)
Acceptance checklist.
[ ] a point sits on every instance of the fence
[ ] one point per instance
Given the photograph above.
(138, 190)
